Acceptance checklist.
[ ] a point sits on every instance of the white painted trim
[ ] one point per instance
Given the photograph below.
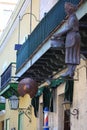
(82, 10)
(4, 90)
(2, 99)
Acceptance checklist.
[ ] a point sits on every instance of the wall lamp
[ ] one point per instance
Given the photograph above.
(30, 14)
(14, 105)
(66, 104)
(18, 46)
(25, 86)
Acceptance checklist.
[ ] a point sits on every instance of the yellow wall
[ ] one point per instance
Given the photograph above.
(0, 126)
(24, 103)
(12, 115)
(28, 21)
(8, 55)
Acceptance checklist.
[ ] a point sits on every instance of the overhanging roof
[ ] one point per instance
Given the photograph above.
(9, 90)
(47, 65)
(52, 60)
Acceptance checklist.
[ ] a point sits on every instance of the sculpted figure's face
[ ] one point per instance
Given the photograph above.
(69, 8)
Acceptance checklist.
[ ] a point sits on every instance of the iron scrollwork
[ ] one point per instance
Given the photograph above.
(27, 111)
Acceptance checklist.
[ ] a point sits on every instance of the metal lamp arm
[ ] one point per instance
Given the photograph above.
(75, 112)
(30, 14)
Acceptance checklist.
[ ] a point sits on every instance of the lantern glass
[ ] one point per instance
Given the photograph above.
(66, 105)
(14, 102)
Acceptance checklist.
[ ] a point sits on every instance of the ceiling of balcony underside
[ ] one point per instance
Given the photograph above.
(52, 61)
(47, 66)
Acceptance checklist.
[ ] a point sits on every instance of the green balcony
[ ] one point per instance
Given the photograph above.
(8, 83)
(7, 75)
(52, 19)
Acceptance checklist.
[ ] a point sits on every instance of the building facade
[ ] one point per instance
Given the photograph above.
(30, 31)
(22, 22)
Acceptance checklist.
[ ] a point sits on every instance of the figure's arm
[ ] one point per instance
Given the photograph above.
(63, 32)
(68, 28)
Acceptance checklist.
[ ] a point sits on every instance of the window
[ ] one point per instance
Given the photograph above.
(67, 120)
(7, 124)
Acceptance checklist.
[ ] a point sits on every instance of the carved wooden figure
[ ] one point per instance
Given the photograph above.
(72, 40)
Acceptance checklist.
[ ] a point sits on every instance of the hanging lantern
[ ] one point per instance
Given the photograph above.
(27, 86)
(14, 102)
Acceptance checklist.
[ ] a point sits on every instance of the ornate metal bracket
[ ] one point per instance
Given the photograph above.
(27, 111)
(75, 112)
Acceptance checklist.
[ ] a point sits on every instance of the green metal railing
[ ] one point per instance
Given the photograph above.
(7, 75)
(42, 31)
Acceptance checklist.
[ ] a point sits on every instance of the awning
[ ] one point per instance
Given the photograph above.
(10, 90)
(69, 86)
(46, 99)
(56, 82)
(47, 93)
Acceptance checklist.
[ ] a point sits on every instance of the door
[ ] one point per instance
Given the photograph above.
(67, 120)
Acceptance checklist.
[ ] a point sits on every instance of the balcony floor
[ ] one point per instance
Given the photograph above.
(47, 66)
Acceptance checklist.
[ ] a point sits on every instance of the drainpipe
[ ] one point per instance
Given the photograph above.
(31, 17)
